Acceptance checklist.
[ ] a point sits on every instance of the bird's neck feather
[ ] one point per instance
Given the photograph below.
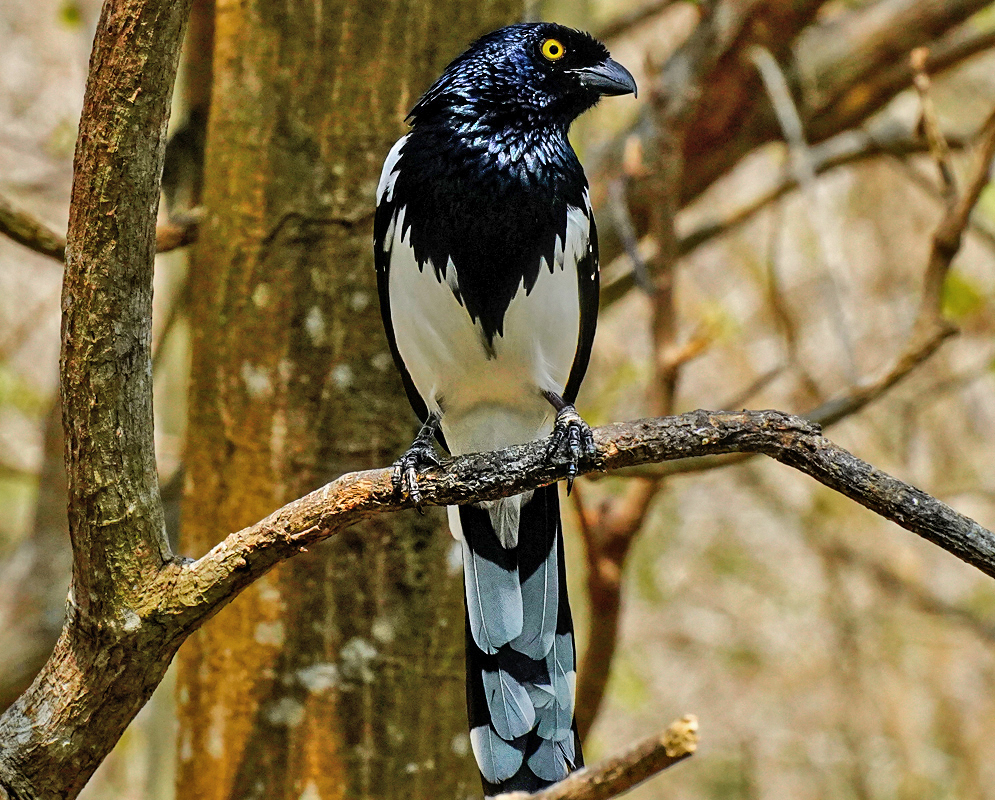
(500, 147)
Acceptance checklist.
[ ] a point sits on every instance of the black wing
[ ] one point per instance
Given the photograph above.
(589, 291)
(383, 235)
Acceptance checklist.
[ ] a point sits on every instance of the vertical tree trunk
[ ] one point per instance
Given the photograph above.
(340, 674)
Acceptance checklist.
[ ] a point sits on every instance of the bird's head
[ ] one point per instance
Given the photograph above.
(527, 75)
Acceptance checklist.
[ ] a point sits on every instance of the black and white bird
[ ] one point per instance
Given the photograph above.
(487, 265)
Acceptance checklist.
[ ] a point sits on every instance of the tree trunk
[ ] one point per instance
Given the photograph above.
(340, 674)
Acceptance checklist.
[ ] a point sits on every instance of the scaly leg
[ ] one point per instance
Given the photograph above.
(421, 454)
(570, 430)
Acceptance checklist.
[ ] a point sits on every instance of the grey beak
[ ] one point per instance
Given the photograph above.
(609, 78)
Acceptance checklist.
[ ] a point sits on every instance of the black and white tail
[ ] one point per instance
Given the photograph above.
(520, 655)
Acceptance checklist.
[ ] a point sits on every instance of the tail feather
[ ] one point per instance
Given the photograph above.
(512, 712)
(538, 572)
(520, 688)
(546, 762)
(491, 582)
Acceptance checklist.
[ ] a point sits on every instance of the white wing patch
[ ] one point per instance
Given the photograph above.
(488, 400)
(388, 177)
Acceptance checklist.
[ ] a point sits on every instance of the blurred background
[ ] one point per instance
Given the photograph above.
(827, 653)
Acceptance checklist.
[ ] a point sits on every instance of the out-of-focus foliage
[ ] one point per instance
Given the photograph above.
(827, 654)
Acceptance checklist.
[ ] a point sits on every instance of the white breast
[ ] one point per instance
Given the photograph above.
(493, 399)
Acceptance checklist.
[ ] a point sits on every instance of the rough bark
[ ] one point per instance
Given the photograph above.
(58, 731)
(34, 579)
(185, 593)
(190, 591)
(341, 673)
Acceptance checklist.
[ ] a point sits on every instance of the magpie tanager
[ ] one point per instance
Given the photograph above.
(487, 266)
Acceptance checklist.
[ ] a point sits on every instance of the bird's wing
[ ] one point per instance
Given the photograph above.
(589, 289)
(384, 233)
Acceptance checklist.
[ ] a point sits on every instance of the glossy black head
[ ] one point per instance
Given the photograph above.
(528, 74)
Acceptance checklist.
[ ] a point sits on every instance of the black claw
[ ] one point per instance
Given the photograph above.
(570, 430)
(421, 455)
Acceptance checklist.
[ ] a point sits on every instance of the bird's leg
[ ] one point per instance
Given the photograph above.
(570, 430)
(421, 454)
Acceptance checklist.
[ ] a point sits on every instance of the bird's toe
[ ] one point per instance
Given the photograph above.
(572, 438)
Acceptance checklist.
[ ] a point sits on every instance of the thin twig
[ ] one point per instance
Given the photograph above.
(618, 774)
(852, 73)
(675, 356)
(928, 120)
(662, 175)
(917, 351)
(859, 70)
(845, 149)
(619, 208)
(950, 231)
(978, 225)
(830, 240)
(851, 147)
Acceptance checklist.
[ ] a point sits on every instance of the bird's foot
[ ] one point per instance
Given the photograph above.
(573, 435)
(420, 456)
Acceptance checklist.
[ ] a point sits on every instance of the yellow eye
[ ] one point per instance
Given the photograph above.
(553, 50)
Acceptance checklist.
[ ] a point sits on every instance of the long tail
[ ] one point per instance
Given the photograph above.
(520, 655)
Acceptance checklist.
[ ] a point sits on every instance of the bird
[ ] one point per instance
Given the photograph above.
(486, 253)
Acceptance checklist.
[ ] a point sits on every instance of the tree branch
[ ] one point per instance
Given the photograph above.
(201, 587)
(133, 604)
(184, 593)
(950, 231)
(857, 63)
(60, 729)
(23, 228)
(34, 234)
(178, 231)
(618, 774)
(851, 147)
(849, 69)
(930, 124)
(827, 234)
(928, 332)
